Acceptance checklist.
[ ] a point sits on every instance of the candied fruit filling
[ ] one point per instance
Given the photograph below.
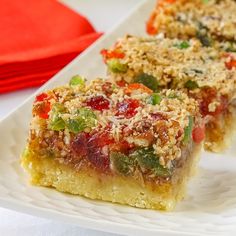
(127, 108)
(208, 96)
(115, 129)
(98, 103)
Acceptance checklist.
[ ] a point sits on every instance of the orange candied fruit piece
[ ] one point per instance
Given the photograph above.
(231, 64)
(136, 86)
(163, 2)
(109, 54)
(151, 29)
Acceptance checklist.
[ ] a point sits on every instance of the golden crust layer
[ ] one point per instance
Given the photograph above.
(112, 188)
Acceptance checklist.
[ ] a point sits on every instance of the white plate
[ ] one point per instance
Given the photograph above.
(209, 209)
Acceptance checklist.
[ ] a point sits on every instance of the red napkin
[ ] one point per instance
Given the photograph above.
(38, 38)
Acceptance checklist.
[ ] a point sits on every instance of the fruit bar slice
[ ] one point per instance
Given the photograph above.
(111, 143)
(211, 21)
(204, 73)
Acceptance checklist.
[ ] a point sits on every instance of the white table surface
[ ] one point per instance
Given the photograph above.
(103, 14)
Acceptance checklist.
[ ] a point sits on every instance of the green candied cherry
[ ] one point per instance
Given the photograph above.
(188, 130)
(116, 66)
(121, 163)
(84, 118)
(147, 80)
(155, 99)
(182, 45)
(161, 171)
(58, 108)
(88, 115)
(56, 123)
(147, 159)
(76, 125)
(191, 85)
(77, 81)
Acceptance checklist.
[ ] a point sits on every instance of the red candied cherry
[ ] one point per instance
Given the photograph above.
(209, 94)
(94, 147)
(45, 109)
(43, 106)
(41, 97)
(198, 134)
(127, 108)
(98, 103)
(42, 109)
(98, 152)
(98, 159)
(79, 144)
(103, 139)
(121, 83)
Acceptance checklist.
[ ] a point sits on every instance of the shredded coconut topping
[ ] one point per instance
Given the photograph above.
(191, 18)
(160, 126)
(173, 66)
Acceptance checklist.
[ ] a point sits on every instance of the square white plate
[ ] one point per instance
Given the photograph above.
(209, 209)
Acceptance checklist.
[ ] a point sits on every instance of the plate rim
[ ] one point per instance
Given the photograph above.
(88, 223)
(103, 224)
